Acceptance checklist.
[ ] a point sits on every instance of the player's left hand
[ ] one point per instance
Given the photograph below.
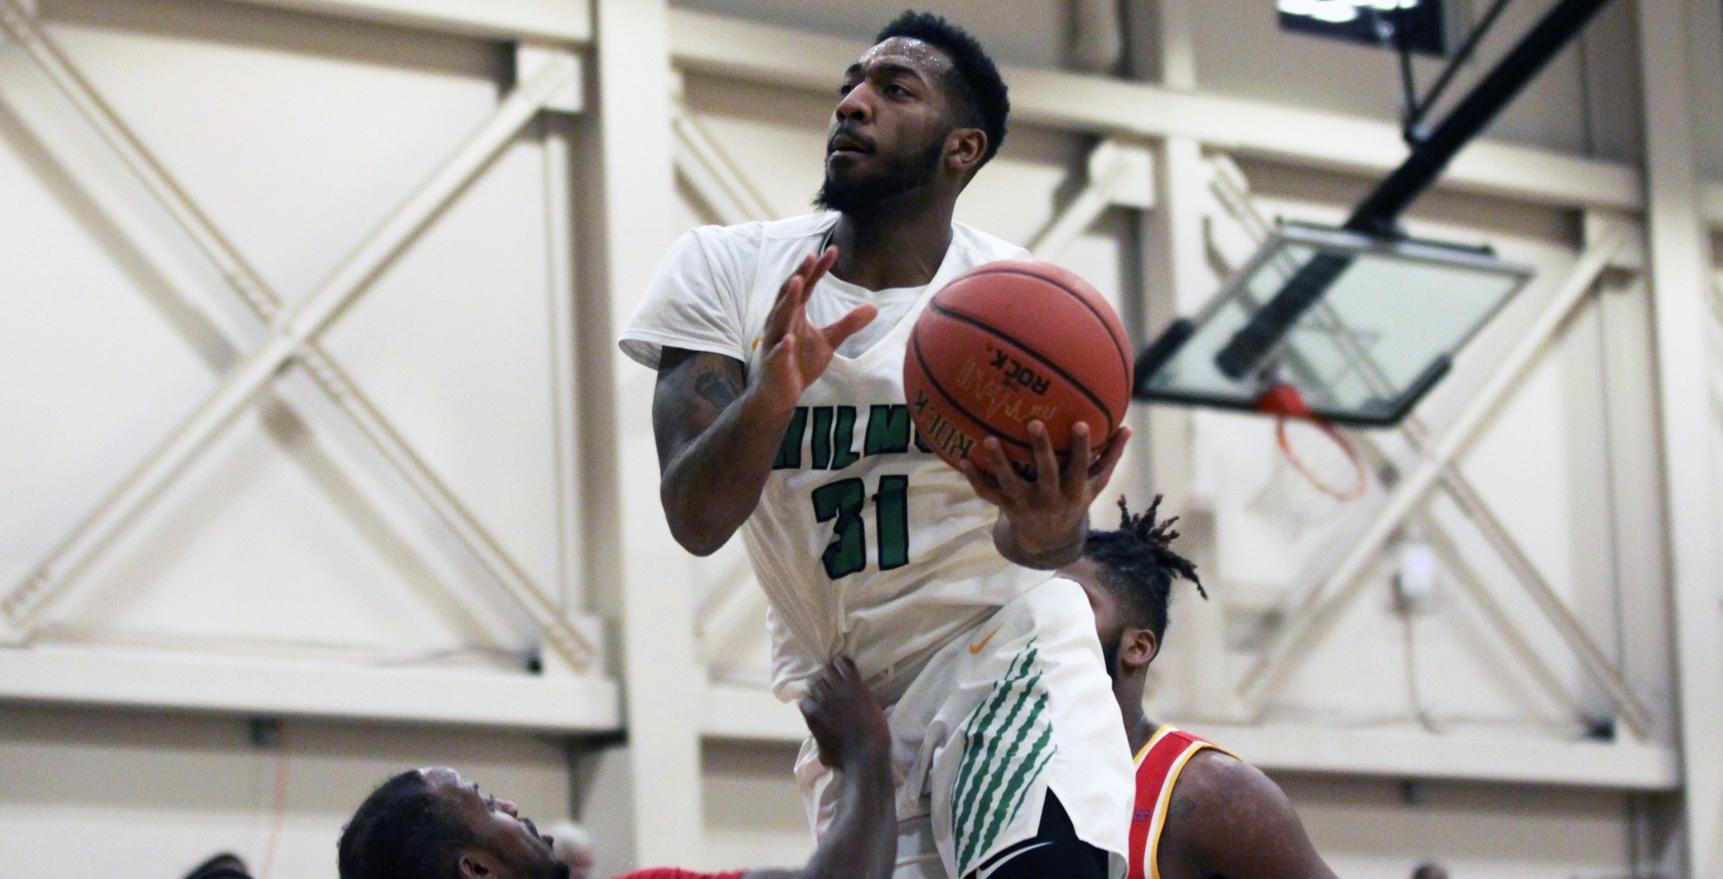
(844, 716)
(1048, 510)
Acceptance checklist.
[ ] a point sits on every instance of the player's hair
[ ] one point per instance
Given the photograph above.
(1138, 564)
(402, 829)
(977, 89)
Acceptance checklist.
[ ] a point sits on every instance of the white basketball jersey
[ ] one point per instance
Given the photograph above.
(864, 541)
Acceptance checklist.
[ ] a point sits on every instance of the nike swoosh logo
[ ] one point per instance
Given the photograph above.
(983, 874)
(976, 648)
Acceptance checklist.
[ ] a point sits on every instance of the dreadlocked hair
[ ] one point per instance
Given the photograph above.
(1138, 563)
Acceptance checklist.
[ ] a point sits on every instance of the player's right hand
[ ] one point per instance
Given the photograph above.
(844, 717)
(797, 352)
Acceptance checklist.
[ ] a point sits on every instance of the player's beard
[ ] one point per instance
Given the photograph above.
(903, 173)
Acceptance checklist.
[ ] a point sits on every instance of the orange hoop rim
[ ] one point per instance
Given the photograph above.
(1285, 402)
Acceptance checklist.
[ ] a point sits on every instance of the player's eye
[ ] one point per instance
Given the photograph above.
(897, 90)
(846, 88)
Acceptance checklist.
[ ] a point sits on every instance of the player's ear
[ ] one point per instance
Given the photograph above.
(964, 148)
(476, 865)
(1138, 648)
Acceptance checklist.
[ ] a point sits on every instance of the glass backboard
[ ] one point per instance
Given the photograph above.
(1387, 321)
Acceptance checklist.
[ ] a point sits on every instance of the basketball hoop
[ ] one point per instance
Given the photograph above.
(1341, 477)
(1317, 471)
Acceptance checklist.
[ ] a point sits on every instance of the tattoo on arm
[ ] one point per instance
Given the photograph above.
(693, 389)
(719, 387)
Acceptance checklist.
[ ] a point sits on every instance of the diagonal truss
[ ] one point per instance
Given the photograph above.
(711, 172)
(1318, 607)
(292, 338)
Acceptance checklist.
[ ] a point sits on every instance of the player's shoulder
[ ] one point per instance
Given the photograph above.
(1213, 778)
(983, 246)
(762, 238)
(1228, 817)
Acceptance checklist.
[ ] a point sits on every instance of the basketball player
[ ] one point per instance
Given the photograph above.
(1200, 812)
(432, 824)
(779, 412)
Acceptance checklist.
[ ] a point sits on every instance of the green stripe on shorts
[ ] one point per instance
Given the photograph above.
(991, 784)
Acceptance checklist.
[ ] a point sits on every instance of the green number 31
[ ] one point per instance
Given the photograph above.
(843, 501)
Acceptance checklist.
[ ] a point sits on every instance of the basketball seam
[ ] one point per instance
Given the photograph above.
(1124, 357)
(1070, 379)
(927, 374)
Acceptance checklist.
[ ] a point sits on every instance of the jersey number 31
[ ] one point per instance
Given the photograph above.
(843, 500)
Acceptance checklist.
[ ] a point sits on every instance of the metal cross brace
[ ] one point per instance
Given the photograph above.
(1318, 608)
(711, 172)
(1120, 173)
(292, 337)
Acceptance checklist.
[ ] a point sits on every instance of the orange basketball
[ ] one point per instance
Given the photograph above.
(1008, 343)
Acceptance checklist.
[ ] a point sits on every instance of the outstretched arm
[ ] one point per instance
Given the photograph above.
(1232, 820)
(854, 741)
(717, 436)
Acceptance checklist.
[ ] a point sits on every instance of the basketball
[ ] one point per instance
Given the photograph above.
(1012, 342)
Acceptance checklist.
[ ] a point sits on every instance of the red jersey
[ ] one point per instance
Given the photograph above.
(674, 873)
(1158, 766)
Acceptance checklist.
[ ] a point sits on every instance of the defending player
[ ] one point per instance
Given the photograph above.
(780, 412)
(432, 824)
(1200, 812)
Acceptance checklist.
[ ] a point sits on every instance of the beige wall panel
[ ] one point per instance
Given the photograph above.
(754, 817)
(1369, 830)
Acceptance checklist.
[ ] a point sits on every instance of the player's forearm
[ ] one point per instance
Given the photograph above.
(1060, 550)
(714, 482)
(862, 840)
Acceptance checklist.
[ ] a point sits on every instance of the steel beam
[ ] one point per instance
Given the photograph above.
(1173, 266)
(560, 246)
(730, 47)
(729, 713)
(1119, 173)
(1455, 562)
(649, 585)
(567, 21)
(292, 331)
(255, 686)
(1680, 259)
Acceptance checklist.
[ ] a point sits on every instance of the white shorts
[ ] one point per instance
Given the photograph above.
(1019, 705)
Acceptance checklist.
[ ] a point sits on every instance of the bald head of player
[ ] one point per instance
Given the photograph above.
(431, 823)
